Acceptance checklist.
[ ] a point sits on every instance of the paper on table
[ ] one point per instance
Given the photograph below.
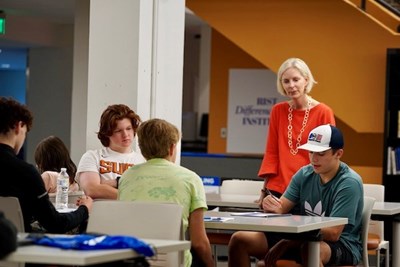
(258, 214)
(217, 219)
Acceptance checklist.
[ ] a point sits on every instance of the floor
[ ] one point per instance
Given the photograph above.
(223, 259)
(222, 253)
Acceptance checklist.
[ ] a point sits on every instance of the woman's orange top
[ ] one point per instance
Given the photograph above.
(278, 163)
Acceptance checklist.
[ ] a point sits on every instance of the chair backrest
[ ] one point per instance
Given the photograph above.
(12, 210)
(376, 191)
(366, 216)
(142, 220)
(241, 187)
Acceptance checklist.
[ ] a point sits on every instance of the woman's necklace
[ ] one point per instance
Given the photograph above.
(290, 127)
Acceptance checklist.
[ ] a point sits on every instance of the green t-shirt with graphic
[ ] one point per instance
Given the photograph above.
(159, 180)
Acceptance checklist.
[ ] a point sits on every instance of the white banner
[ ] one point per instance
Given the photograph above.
(252, 93)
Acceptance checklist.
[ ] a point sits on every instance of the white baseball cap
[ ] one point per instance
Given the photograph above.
(323, 138)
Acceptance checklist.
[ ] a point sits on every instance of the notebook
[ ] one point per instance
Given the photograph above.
(259, 214)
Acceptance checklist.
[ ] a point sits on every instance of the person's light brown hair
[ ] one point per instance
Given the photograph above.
(156, 137)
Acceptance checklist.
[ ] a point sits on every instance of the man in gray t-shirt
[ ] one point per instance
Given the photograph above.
(325, 187)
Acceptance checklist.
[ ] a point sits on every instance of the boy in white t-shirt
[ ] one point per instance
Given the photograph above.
(99, 170)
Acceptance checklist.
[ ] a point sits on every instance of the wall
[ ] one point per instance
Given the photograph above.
(347, 57)
(223, 166)
(49, 95)
(222, 59)
(13, 64)
(365, 160)
(45, 86)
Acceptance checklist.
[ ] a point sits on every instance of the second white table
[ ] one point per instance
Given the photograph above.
(308, 226)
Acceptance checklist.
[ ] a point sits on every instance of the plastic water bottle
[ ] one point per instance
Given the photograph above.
(62, 189)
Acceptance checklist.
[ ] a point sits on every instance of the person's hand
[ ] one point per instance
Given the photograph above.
(86, 201)
(271, 204)
(259, 201)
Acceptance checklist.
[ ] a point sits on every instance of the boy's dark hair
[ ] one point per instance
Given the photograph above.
(13, 112)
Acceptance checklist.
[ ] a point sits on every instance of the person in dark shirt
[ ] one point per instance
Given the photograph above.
(22, 180)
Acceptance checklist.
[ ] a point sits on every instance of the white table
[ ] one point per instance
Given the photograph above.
(287, 224)
(50, 255)
(391, 210)
(72, 196)
(233, 201)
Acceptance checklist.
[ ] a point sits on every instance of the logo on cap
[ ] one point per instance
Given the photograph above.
(315, 137)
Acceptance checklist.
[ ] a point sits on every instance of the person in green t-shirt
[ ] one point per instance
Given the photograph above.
(161, 180)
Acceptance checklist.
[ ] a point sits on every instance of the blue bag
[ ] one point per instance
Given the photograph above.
(94, 242)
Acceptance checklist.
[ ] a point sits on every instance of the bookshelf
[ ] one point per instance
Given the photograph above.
(391, 167)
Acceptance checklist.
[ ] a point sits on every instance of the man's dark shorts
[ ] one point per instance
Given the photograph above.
(340, 255)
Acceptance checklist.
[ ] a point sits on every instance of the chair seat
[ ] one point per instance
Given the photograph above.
(281, 263)
(287, 263)
(373, 241)
(219, 238)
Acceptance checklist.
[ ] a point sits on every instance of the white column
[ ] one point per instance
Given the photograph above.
(79, 103)
(134, 56)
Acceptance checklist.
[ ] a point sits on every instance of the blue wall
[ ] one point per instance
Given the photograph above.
(13, 80)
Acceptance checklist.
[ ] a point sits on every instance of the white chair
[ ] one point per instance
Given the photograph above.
(140, 219)
(366, 218)
(12, 210)
(376, 228)
(241, 187)
(232, 187)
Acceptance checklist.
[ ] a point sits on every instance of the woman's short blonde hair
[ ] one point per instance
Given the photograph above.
(302, 67)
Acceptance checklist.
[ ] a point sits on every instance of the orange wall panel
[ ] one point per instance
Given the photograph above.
(344, 47)
(224, 56)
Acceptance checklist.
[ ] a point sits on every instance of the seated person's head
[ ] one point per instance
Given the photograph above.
(51, 154)
(110, 119)
(14, 116)
(12, 112)
(325, 145)
(324, 138)
(158, 139)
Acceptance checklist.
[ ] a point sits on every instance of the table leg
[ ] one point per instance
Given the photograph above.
(396, 243)
(313, 254)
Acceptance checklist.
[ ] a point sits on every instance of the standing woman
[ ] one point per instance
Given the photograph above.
(290, 122)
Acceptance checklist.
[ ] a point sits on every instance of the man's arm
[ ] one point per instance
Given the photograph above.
(90, 183)
(332, 233)
(284, 205)
(198, 237)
